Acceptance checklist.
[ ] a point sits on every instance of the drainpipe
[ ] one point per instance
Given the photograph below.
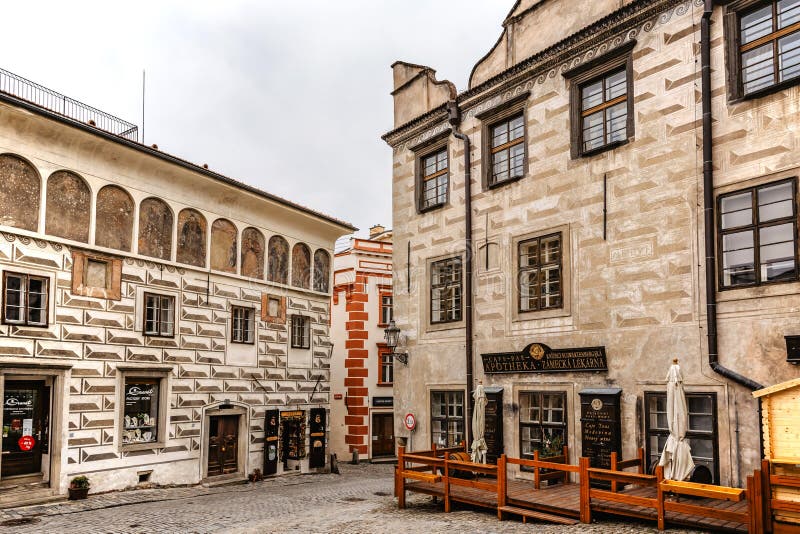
(455, 120)
(708, 208)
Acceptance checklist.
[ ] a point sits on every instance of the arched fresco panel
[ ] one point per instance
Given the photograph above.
(67, 209)
(20, 193)
(155, 229)
(301, 266)
(322, 271)
(191, 238)
(114, 219)
(223, 246)
(252, 253)
(278, 269)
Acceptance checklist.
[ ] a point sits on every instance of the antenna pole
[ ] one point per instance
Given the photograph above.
(143, 80)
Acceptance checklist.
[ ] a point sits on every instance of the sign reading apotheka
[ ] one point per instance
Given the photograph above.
(539, 358)
(141, 409)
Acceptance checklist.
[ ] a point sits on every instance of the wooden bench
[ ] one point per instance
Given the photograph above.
(703, 490)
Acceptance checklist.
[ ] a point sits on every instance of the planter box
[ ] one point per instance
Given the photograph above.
(77, 494)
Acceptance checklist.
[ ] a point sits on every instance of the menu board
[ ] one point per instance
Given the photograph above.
(493, 424)
(600, 425)
(271, 442)
(317, 428)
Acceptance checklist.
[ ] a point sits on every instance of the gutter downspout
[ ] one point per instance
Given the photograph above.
(708, 209)
(455, 120)
(708, 206)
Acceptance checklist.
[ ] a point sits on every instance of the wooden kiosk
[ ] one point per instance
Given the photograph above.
(780, 408)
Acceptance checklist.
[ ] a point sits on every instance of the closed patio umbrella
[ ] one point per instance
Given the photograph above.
(677, 455)
(478, 425)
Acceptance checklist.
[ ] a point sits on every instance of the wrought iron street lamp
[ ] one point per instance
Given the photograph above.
(392, 335)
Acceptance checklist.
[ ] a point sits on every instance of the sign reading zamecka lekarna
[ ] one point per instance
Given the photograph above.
(539, 358)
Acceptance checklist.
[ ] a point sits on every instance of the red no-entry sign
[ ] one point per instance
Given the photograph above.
(26, 443)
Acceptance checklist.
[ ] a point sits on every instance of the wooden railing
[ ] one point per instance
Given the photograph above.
(452, 469)
(612, 495)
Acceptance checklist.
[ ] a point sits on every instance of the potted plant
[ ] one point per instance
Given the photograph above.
(78, 488)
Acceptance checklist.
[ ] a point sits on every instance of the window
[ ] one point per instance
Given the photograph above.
(764, 46)
(507, 149)
(159, 315)
(540, 273)
(25, 299)
(140, 412)
(702, 431)
(446, 291)
(447, 418)
(604, 111)
(386, 366)
(243, 325)
(142, 403)
(542, 423)
(433, 184)
(301, 332)
(757, 235)
(387, 312)
(601, 102)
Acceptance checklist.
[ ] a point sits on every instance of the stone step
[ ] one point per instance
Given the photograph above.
(542, 516)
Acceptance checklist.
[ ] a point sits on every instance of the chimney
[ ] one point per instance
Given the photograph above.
(376, 230)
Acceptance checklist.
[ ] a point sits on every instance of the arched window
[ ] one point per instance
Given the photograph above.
(301, 266)
(155, 229)
(278, 269)
(20, 193)
(322, 270)
(223, 246)
(252, 253)
(191, 238)
(114, 218)
(67, 209)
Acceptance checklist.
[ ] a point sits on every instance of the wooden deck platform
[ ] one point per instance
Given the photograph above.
(564, 500)
(551, 497)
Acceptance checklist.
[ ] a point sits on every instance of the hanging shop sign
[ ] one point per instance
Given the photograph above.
(539, 358)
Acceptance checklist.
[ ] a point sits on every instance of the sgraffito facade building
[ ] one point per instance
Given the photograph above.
(161, 323)
(362, 367)
(616, 187)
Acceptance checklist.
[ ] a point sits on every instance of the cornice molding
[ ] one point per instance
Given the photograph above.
(600, 38)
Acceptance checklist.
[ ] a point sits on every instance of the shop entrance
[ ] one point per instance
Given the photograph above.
(223, 444)
(382, 434)
(26, 420)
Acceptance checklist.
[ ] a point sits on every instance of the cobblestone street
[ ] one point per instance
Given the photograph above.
(357, 501)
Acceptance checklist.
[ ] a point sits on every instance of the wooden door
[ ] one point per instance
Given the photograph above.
(26, 413)
(223, 445)
(382, 434)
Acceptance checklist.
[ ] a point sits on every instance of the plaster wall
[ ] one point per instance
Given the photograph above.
(639, 292)
(358, 271)
(92, 337)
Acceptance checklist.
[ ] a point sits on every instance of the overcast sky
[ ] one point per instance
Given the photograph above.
(289, 96)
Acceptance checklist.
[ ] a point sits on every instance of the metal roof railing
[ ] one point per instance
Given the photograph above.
(43, 97)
